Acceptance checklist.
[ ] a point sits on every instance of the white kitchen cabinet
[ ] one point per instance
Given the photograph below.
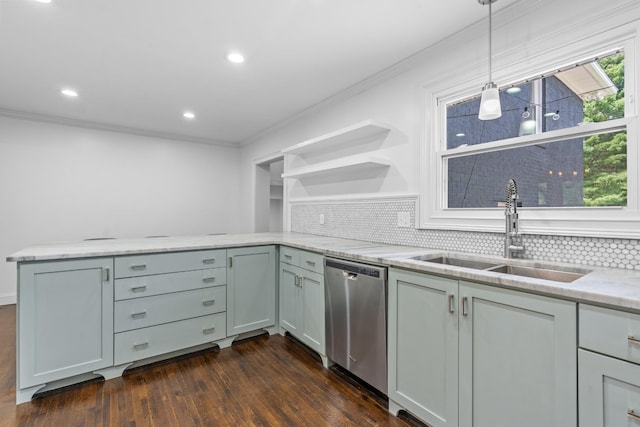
(608, 369)
(518, 361)
(251, 289)
(65, 321)
(302, 298)
(496, 357)
(423, 346)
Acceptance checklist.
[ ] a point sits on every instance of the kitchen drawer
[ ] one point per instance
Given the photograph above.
(141, 265)
(165, 308)
(609, 391)
(612, 332)
(312, 261)
(143, 286)
(148, 342)
(289, 255)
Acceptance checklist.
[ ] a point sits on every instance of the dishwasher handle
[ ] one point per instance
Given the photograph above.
(349, 276)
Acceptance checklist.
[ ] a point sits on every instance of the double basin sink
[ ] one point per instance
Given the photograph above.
(554, 273)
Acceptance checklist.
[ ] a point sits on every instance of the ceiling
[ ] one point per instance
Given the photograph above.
(137, 65)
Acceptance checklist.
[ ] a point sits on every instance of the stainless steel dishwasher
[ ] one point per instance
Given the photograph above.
(356, 319)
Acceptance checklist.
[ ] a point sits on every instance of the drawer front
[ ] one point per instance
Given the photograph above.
(141, 265)
(143, 312)
(311, 261)
(609, 391)
(155, 340)
(289, 255)
(611, 332)
(144, 286)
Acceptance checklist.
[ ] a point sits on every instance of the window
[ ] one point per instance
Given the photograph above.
(567, 136)
(589, 170)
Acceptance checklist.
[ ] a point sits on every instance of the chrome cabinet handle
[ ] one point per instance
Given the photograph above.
(465, 300)
(139, 288)
(141, 346)
(452, 301)
(311, 263)
(139, 315)
(209, 261)
(208, 302)
(210, 330)
(106, 274)
(631, 414)
(633, 340)
(138, 267)
(287, 256)
(230, 262)
(208, 279)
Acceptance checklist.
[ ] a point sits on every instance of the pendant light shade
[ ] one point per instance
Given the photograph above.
(490, 102)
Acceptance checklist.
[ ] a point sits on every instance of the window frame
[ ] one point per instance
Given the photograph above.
(620, 222)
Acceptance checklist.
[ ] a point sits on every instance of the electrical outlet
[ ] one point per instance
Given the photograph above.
(321, 219)
(404, 219)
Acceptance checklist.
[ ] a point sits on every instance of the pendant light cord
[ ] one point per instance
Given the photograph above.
(490, 77)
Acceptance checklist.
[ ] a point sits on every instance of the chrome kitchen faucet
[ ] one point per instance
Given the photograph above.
(513, 243)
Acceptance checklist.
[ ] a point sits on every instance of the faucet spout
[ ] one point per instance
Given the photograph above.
(513, 242)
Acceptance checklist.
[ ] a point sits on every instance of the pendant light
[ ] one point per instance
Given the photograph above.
(490, 101)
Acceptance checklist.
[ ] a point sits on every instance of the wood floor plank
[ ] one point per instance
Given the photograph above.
(266, 381)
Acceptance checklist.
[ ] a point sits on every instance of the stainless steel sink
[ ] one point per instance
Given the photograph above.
(539, 273)
(458, 262)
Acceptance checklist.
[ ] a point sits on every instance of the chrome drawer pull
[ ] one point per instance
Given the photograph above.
(633, 340)
(141, 346)
(464, 306)
(209, 279)
(209, 302)
(139, 288)
(209, 261)
(287, 256)
(631, 414)
(452, 299)
(138, 267)
(210, 330)
(139, 315)
(311, 263)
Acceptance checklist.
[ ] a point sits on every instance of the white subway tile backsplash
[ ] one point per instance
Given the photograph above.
(377, 221)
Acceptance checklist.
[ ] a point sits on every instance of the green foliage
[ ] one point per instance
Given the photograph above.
(605, 156)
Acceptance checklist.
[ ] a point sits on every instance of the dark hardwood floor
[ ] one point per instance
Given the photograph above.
(265, 381)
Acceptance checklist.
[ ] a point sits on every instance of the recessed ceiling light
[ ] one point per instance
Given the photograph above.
(460, 135)
(69, 92)
(188, 115)
(43, 1)
(236, 58)
(513, 90)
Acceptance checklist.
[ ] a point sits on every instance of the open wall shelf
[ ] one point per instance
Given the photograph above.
(366, 129)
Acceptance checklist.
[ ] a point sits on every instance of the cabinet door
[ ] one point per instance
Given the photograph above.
(65, 319)
(289, 298)
(312, 307)
(518, 359)
(251, 289)
(423, 346)
(609, 391)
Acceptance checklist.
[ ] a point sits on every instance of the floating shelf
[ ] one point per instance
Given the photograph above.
(336, 166)
(365, 129)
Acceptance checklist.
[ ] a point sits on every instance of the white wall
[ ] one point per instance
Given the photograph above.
(62, 183)
(397, 96)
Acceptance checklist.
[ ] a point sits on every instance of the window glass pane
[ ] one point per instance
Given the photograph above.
(591, 92)
(588, 171)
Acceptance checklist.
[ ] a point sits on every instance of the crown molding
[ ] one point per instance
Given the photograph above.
(66, 121)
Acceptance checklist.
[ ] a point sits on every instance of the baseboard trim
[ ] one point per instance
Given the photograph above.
(8, 299)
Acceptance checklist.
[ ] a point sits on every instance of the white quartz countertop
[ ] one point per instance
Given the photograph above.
(611, 287)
